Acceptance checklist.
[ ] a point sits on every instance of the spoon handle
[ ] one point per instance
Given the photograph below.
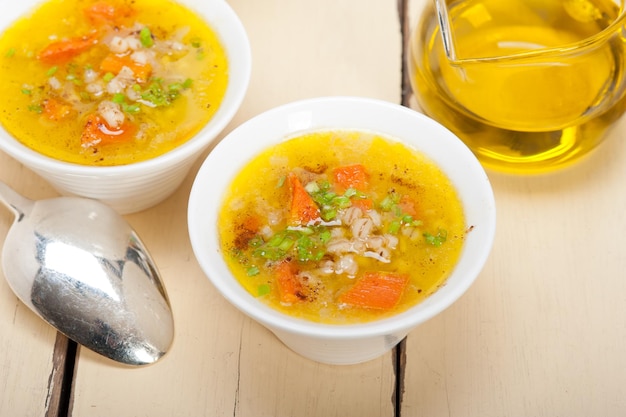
(15, 202)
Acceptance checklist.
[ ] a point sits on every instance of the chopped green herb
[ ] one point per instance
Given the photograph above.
(52, 71)
(286, 244)
(436, 240)
(10, 53)
(118, 98)
(325, 236)
(160, 95)
(281, 181)
(196, 42)
(263, 289)
(341, 202)
(108, 77)
(328, 213)
(256, 241)
(253, 270)
(389, 202)
(394, 227)
(131, 108)
(145, 36)
(26, 91)
(36, 108)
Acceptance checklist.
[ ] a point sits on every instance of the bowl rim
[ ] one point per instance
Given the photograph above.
(210, 258)
(233, 36)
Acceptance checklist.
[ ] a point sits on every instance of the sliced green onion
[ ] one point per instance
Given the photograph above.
(350, 192)
(10, 53)
(175, 87)
(276, 240)
(108, 77)
(286, 244)
(256, 241)
(52, 71)
(436, 240)
(252, 271)
(263, 289)
(394, 227)
(196, 42)
(36, 108)
(145, 36)
(26, 91)
(281, 181)
(118, 98)
(131, 108)
(328, 213)
(306, 231)
(325, 236)
(387, 203)
(318, 255)
(341, 202)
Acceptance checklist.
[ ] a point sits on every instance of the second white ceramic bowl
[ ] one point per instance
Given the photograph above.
(341, 344)
(135, 187)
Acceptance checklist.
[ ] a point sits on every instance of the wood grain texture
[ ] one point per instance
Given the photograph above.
(222, 363)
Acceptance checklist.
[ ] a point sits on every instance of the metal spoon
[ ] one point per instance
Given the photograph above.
(82, 268)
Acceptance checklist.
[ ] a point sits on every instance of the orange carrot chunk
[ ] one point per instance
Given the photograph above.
(351, 176)
(408, 205)
(56, 110)
(363, 203)
(60, 52)
(303, 208)
(113, 63)
(101, 13)
(97, 132)
(288, 285)
(376, 290)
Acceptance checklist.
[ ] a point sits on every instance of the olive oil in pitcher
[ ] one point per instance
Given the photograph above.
(533, 85)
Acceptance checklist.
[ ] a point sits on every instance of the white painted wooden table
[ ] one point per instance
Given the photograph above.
(541, 333)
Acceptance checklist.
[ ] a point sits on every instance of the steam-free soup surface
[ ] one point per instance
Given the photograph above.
(109, 82)
(341, 227)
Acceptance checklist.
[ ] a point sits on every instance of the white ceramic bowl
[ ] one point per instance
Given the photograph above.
(135, 187)
(341, 344)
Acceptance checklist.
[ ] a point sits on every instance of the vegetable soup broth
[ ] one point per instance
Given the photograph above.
(413, 227)
(109, 82)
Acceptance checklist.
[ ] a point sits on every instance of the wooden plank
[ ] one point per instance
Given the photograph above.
(222, 364)
(30, 373)
(542, 332)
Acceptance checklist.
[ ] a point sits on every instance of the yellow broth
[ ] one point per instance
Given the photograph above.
(427, 249)
(162, 109)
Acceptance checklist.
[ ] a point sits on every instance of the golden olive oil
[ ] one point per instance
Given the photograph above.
(535, 84)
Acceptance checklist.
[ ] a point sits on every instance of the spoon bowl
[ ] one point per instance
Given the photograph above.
(81, 267)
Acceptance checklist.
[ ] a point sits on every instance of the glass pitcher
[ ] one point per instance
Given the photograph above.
(528, 85)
